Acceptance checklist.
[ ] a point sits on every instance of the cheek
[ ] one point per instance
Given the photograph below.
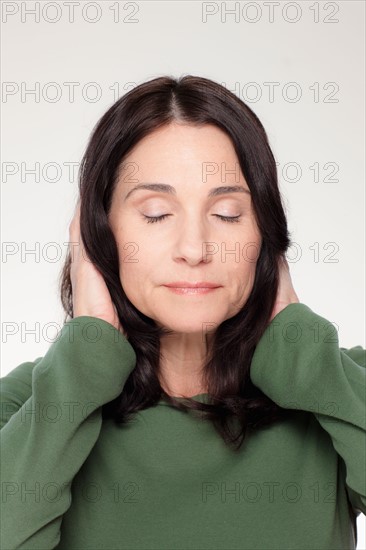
(136, 271)
(132, 275)
(134, 268)
(132, 282)
(243, 274)
(128, 257)
(250, 253)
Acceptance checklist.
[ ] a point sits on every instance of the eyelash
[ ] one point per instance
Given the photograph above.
(154, 219)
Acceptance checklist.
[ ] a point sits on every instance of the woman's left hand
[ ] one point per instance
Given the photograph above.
(286, 293)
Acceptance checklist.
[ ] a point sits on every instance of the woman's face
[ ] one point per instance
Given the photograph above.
(197, 169)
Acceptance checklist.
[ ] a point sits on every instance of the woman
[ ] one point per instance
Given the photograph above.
(189, 402)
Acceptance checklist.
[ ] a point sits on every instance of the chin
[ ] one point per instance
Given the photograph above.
(190, 323)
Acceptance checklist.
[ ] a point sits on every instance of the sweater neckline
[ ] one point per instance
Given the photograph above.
(202, 397)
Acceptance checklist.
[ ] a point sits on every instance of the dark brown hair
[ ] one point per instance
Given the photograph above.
(196, 101)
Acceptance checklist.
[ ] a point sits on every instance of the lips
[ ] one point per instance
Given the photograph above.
(186, 284)
(187, 288)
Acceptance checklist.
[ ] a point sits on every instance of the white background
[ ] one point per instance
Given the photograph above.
(311, 52)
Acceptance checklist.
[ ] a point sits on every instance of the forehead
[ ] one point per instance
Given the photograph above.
(183, 152)
(184, 134)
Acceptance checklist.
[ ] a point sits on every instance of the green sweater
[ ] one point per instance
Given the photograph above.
(167, 480)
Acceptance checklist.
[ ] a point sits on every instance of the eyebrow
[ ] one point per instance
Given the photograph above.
(165, 188)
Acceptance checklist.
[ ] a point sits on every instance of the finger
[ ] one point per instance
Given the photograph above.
(75, 223)
(283, 263)
(74, 233)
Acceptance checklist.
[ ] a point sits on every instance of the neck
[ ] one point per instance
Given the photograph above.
(182, 356)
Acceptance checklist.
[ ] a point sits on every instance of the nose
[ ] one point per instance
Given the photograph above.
(192, 242)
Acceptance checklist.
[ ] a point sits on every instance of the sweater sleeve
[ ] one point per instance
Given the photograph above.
(51, 418)
(298, 364)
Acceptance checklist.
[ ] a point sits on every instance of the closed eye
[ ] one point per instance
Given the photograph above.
(154, 219)
(229, 219)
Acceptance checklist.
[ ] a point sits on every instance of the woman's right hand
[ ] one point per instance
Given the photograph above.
(90, 293)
